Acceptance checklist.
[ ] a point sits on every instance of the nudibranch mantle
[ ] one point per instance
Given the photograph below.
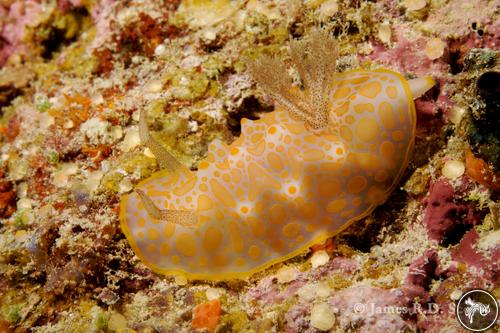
(280, 187)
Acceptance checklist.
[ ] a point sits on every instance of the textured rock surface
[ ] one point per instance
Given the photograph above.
(75, 75)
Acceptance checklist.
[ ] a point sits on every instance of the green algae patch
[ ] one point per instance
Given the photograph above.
(138, 165)
(202, 13)
(234, 322)
(187, 84)
(214, 65)
(14, 307)
(76, 60)
(337, 281)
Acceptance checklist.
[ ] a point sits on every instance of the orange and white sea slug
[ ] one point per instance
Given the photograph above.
(326, 157)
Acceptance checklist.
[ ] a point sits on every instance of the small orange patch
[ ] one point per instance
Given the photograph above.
(328, 246)
(78, 108)
(206, 315)
(478, 169)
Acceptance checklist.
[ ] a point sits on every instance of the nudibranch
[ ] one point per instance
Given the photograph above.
(332, 150)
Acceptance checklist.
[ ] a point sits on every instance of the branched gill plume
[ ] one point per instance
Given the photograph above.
(314, 58)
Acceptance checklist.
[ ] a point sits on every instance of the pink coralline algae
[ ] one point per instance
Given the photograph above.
(467, 253)
(432, 107)
(470, 268)
(366, 308)
(101, 14)
(338, 264)
(445, 217)
(13, 21)
(434, 301)
(408, 57)
(421, 273)
(297, 319)
(268, 292)
(431, 111)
